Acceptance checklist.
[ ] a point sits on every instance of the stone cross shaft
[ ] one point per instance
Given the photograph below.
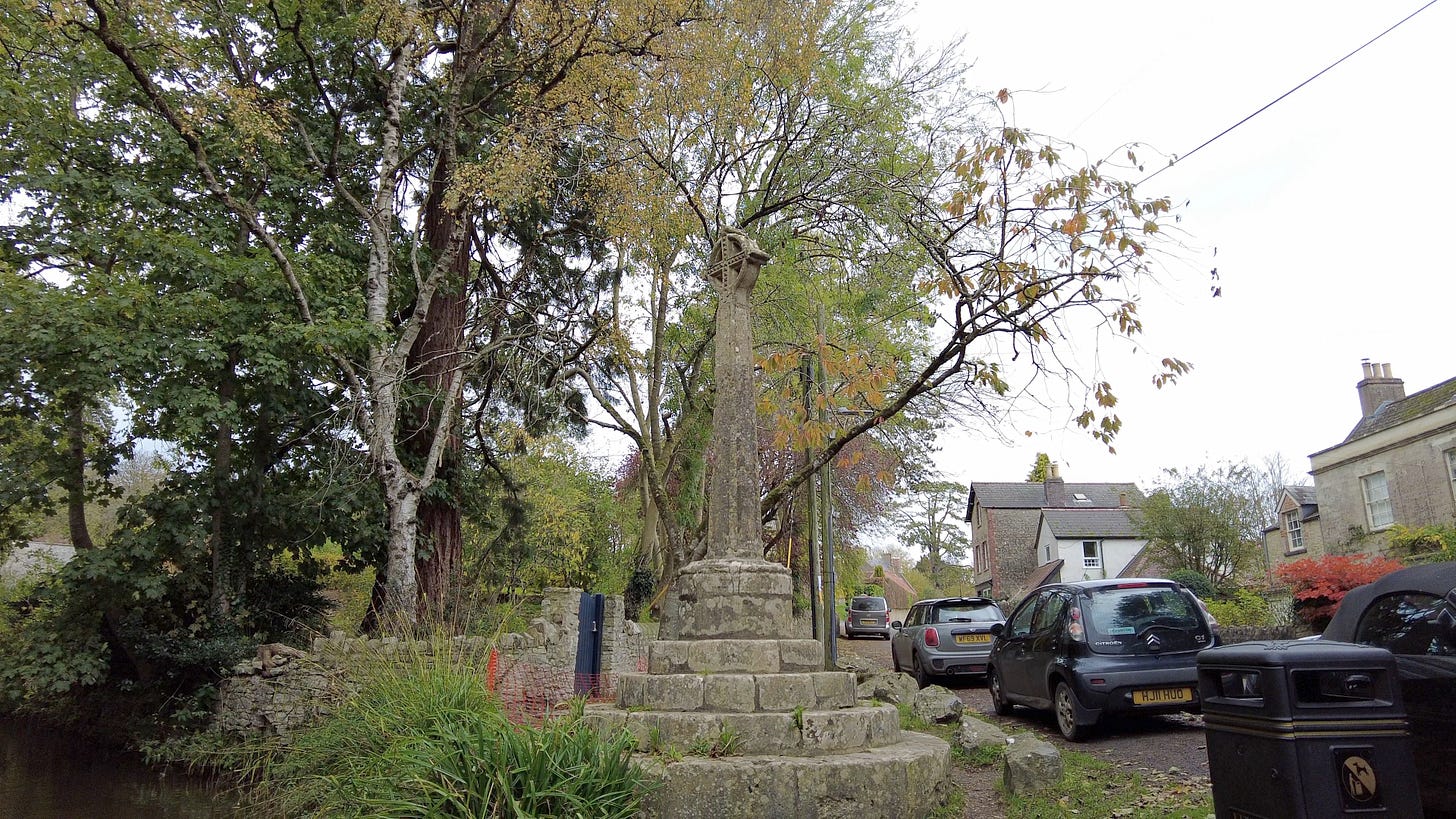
(734, 520)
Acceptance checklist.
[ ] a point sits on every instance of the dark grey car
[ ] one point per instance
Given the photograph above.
(945, 636)
(1412, 613)
(868, 615)
(1089, 649)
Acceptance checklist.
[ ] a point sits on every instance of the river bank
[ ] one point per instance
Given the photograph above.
(46, 773)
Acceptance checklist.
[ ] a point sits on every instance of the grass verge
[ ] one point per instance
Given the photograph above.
(1093, 788)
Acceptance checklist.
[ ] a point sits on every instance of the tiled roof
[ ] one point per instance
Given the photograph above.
(1072, 523)
(1394, 413)
(1044, 573)
(1033, 495)
(1303, 495)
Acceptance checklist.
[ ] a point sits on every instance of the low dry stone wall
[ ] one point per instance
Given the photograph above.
(284, 688)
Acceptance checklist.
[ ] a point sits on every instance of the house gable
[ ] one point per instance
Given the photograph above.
(1397, 466)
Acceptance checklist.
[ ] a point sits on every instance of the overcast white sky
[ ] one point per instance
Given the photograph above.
(1330, 213)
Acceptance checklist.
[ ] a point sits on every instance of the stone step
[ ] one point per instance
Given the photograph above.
(905, 780)
(798, 733)
(737, 693)
(734, 656)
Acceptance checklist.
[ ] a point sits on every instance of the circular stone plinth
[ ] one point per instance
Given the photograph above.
(720, 599)
(907, 779)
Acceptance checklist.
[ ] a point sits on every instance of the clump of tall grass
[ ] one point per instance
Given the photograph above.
(425, 738)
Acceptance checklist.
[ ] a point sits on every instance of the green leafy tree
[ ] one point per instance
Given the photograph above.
(1041, 470)
(1205, 520)
(311, 137)
(1424, 544)
(929, 521)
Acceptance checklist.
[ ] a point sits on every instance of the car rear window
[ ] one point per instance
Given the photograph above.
(868, 604)
(981, 612)
(1143, 620)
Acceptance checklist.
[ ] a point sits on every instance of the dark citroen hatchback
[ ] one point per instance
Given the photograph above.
(1099, 647)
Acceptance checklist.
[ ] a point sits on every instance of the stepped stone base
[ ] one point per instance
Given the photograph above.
(766, 656)
(907, 779)
(736, 692)
(800, 733)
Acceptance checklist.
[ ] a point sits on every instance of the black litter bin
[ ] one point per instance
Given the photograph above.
(1306, 728)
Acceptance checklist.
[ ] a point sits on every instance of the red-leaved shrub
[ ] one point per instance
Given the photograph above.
(1320, 583)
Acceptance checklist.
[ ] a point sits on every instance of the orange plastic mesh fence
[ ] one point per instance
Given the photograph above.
(530, 693)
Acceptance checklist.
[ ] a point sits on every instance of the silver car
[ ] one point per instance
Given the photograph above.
(946, 636)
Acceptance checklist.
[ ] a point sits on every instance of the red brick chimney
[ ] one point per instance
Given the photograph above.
(1378, 387)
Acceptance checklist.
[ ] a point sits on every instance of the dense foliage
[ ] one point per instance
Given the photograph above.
(1320, 583)
(1206, 520)
(353, 272)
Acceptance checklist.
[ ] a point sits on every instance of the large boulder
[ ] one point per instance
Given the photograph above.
(938, 705)
(887, 686)
(1031, 764)
(975, 734)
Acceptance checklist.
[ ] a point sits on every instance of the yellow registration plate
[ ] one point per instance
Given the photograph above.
(864, 622)
(971, 639)
(1162, 696)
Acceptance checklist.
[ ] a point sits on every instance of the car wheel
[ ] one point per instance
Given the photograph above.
(1065, 704)
(922, 677)
(999, 703)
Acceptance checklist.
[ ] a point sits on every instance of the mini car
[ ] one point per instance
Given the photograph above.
(1412, 613)
(868, 615)
(945, 636)
(1090, 649)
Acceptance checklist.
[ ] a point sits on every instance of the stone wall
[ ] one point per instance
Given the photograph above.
(284, 688)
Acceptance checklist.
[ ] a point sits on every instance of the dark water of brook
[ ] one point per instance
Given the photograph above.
(49, 775)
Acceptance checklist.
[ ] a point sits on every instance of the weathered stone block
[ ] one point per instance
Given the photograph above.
(974, 734)
(730, 693)
(833, 731)
(888, 686)
(678, 730)
(742, 656)
(762, 733)
(801, 655)
(673, 692)
(833, 689)
(1031, 763)
(632, 690)
(667, 657)
(785, 692)
(936, 704)
(884, 728)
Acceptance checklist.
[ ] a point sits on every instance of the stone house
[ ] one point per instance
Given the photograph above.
(1397, 466)
(1086, 544)
(1295, 533)
(1007, 521)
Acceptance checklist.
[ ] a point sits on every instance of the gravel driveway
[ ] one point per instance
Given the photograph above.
(1173, 742)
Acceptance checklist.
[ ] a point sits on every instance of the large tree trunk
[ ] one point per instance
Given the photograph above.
(222, 465)
(436, 355)
(75, 484)
(402, 501)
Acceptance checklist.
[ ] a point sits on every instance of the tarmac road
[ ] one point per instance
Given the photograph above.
(1161, 743)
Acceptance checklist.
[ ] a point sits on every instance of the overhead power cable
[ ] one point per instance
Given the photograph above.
(1277, 99)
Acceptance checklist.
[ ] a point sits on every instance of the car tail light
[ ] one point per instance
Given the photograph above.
(932, 637)
(1075, 630)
